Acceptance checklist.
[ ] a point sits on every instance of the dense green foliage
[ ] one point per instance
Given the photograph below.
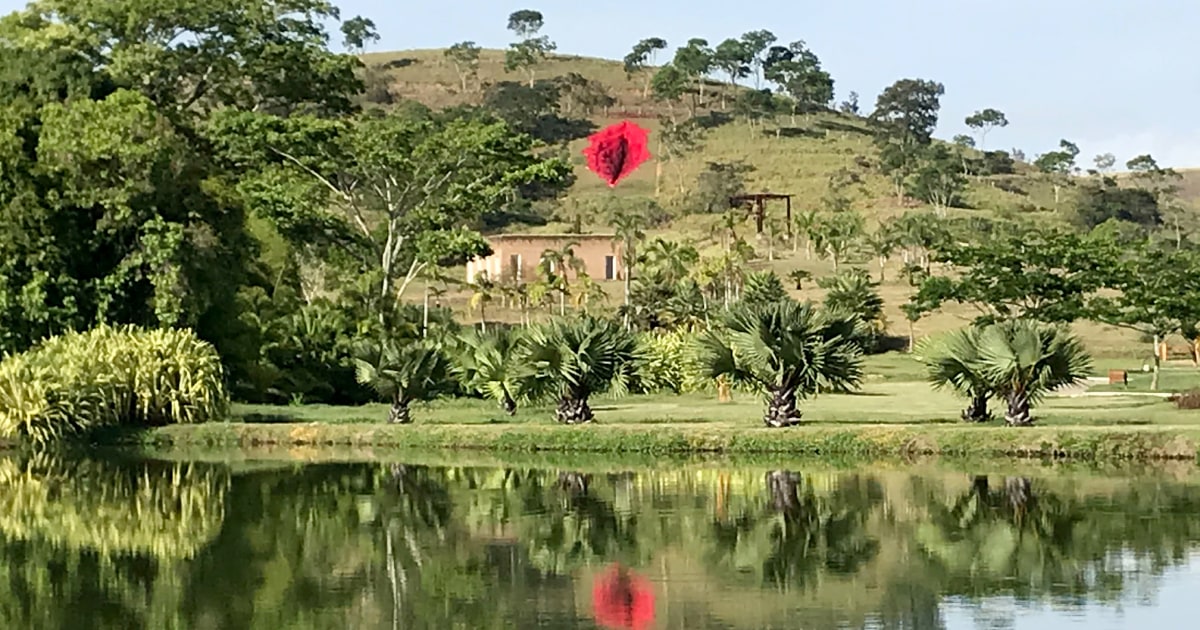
(577, 357)
(78, 382)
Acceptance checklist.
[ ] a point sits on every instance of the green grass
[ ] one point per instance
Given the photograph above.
(893, 418)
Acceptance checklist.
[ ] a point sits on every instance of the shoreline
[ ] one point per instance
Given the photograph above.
(1087, 443)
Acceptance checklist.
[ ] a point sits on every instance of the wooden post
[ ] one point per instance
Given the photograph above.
(788, 200)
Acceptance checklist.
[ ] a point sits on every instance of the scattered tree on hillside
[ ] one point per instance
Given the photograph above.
(938, 178)
(797, 71)
(588, 95)
(670, 84)
(1105, 201)
(532, 49)
(465, 57)
(986, 120)
(964, 141)
(695, 60)
(536, 110)
(1104, 163)
(357, 33)
(1058, 166)
(676, 139)
(906, 114)
(732, 58)
(1163, 183)
(641, 60)
(756, 45)
(716, 184)
(850, 105)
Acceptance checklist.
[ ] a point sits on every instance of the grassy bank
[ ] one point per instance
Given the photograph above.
(1076, 442)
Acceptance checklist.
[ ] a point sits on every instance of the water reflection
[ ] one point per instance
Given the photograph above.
(137, 544)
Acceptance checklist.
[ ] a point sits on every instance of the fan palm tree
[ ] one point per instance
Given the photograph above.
(786, 349)
(952, 360)
(404, 372)
(576, 357)
(1024, 360)
(491, 365)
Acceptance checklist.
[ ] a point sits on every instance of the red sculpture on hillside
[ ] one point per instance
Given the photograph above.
(616, 151)
(623, 600)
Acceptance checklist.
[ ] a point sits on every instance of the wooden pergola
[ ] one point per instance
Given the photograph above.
(758, 203)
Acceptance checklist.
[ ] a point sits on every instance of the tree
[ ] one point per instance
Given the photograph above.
(583, 93)
(952, 360)
(492, 365)
(1024, 360)
(1104, 163)
(576, 358)
(850, 105)
(1149, 294)
(465, 57)
(675, 140)
(695, 60)
(938, 178)
(1058, 165)
(797, 71)
(732, 57)
(906, 113)
(532, 49)
(483, 291)
(1163, 184)
(986, 120)
(392, 193)
(755, 44)
(404, 372)
(964, 141)
(642, 59)
(553, 266)
(852, 291)
(1105, 200)
(358, 32)
(762, 288)
(629, 228)
(785, 349)
(667, 262)
(882, 243)
(1042, 274)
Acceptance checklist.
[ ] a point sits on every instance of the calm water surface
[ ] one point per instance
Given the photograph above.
(142, 544)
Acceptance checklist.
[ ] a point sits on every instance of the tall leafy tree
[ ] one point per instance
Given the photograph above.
(756, 44)
(393, 194)
(986, 120)
(732, 58)
(465, 57)
(938, 178)
(641, 60)
(532, 49)
(695, 61)
(1058, 166)
(798, 73)
(906, 113)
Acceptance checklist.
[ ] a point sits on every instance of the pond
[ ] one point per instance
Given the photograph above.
(129, 543)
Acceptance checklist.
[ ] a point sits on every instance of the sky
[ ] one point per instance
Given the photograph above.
(1117, 76)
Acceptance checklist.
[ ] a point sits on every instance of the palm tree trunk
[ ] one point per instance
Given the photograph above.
(574, 411)
(977, 411)
(1018, 414)
(399, 413)
(510, 405)
(781, 409)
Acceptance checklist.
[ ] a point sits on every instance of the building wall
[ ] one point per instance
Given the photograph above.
(510, 252)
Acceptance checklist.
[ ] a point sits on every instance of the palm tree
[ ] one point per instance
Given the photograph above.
(1024, 360)
(882, 244)
(553, 266)
(629, 227)
(787, 349)
(952, 360)
(576, 357)
(491, 365)
(589, 292)
(669, 261)
(483, 291)
(404, 372)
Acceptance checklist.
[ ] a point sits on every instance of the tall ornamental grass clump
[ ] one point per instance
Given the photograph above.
(110, 376)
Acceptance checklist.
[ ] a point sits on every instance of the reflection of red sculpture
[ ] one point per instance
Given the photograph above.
(623, 600)
(617, 151)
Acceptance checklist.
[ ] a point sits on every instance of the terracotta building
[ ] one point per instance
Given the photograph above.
(517, 255)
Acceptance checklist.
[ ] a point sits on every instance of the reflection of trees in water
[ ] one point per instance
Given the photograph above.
(341, 546)
(795, 534)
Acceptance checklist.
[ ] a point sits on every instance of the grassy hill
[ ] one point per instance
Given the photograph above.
(786, 158)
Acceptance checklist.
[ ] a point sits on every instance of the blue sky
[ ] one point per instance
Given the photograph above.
(1116, 76)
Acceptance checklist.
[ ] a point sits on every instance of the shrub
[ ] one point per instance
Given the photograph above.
(110, 376)
(660, 362)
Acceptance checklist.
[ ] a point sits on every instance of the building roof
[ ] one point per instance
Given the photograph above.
(549, 237)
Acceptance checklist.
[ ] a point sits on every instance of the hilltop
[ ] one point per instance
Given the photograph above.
(785, 156)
